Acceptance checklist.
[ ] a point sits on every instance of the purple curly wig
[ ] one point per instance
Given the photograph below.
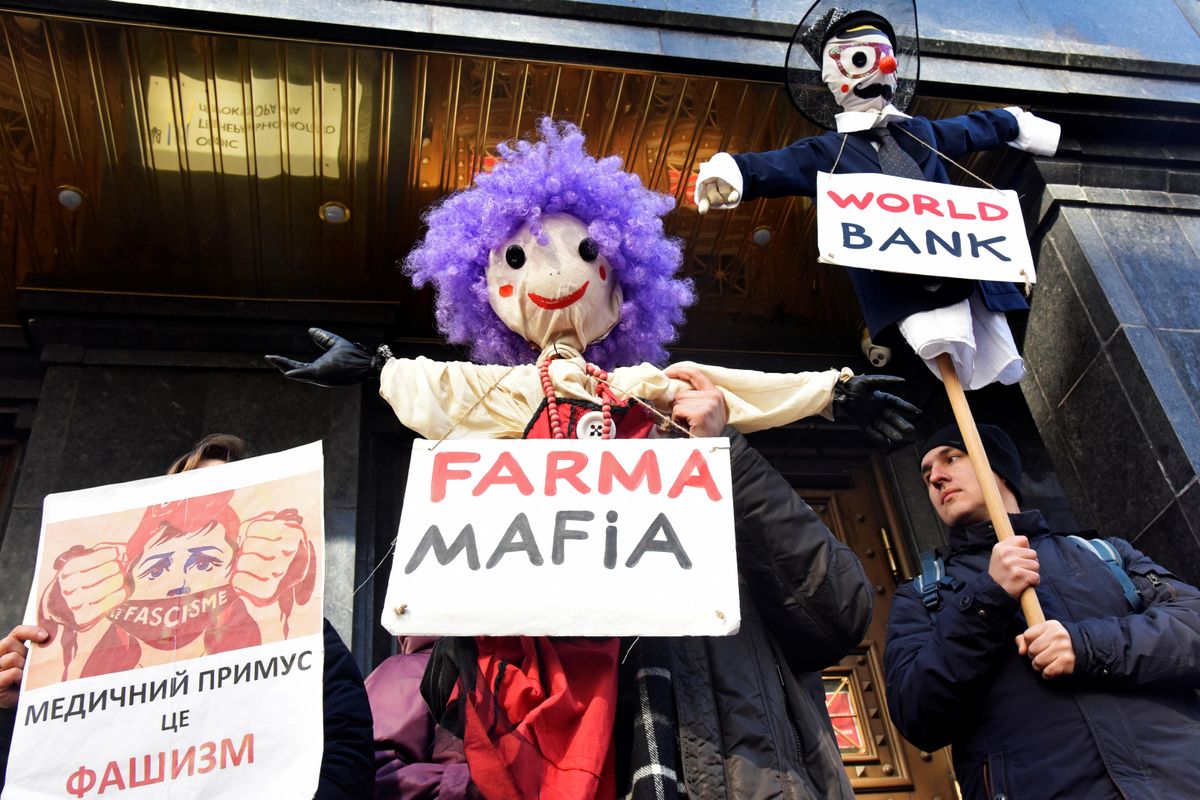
(554, 175)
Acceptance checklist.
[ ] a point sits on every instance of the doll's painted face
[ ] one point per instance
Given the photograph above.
(860, 70)
(549, 283)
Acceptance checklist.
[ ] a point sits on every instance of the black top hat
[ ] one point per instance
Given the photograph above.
(836, 21)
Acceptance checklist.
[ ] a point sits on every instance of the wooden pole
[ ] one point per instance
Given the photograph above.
(983, 472)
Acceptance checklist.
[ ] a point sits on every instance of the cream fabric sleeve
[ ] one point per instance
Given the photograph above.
(755, 400)
(454, 399)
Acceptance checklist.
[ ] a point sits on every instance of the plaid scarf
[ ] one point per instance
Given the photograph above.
(646, 732)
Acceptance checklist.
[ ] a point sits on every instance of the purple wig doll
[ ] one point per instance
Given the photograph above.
(554, 270)
(533, 182)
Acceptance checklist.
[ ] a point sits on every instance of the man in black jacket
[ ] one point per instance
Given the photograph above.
(1099, 701)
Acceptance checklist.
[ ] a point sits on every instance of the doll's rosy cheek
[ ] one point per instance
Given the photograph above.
(603, 273)
(506, 290)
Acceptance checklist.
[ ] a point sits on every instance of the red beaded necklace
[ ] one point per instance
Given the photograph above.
(605, 394)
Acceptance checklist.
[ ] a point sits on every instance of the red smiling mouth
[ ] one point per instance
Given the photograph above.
(555, 303)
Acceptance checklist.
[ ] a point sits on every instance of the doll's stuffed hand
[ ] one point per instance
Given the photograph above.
(719, 184)
(344, 363)
(882, 416)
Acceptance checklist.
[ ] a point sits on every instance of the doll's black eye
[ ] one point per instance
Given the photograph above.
(588, 250)
(515, 256)
(859, 59)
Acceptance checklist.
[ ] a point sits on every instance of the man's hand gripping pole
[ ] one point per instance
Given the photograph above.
(983, 473)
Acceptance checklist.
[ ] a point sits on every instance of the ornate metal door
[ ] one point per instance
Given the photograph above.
(880, 763)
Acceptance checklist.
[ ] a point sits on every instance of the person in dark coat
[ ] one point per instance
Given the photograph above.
(752, 722)
(751, 707)
(1098, 702)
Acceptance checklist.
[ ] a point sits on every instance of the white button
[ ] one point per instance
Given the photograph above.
(591, 426)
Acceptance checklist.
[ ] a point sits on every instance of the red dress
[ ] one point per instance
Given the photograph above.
(539, 722)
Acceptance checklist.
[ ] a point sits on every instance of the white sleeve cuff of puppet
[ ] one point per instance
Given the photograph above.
(1034, 134)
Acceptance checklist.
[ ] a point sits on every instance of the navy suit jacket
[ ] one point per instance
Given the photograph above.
(887, 297)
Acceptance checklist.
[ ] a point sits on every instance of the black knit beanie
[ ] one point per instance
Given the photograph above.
(1002, 453)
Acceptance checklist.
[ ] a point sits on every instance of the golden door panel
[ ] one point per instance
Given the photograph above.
(879, 762)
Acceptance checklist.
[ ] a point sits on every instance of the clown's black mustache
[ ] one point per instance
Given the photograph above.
(874, 90)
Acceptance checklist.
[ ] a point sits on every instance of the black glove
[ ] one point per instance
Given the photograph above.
(882, 416)
(343, 363)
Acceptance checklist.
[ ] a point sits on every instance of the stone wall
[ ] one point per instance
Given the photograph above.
(1113, 343)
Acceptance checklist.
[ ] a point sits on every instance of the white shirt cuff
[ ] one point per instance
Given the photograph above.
(1034, 134)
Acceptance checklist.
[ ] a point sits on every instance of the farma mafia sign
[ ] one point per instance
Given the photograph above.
(882, 222)
(571, 538)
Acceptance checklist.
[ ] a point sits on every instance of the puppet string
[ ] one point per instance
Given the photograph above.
(367, 580)
(833, 169)
(661, 416)
(474, 406)
(948, 158)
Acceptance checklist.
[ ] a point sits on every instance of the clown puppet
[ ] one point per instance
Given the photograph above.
(858, 84)
(847, 72)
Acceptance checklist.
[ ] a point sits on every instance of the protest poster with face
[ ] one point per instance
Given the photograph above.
(186, 643)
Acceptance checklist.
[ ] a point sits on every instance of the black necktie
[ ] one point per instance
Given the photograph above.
(893, 159)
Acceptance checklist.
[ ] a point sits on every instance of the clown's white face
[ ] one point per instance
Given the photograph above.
(554, 285)
(860, 71)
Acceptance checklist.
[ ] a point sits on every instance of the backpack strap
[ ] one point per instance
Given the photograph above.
(932, 571)
(1116, 565)
(932, 580)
